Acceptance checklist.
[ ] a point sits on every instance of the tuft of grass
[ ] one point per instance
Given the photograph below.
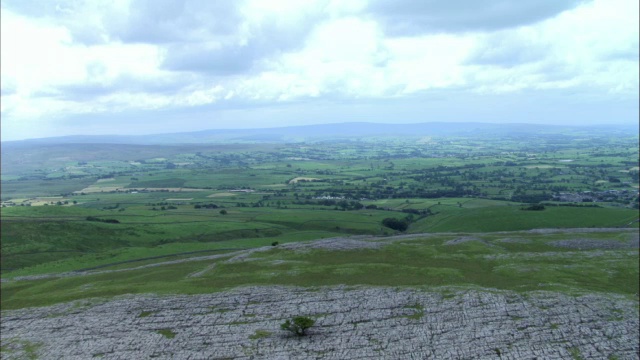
(419, 311)
(259, 334)
(575, 353)
(448, 295)
(146, 313)
(168, 333)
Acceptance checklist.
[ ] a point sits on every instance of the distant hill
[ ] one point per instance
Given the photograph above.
(332, 131)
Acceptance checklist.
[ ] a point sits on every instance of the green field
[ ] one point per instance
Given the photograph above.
(509, 218)
(141, 205)
(520, 261)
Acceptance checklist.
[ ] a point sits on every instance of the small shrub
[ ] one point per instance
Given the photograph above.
(298, 325)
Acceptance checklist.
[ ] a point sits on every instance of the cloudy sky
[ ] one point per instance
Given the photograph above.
(157, 66)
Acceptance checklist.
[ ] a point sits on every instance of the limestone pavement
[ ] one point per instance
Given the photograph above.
(351, 323)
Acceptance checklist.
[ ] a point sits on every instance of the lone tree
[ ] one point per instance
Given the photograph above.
(298, 325)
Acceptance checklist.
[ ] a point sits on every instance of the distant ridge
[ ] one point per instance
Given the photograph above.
(332, 131)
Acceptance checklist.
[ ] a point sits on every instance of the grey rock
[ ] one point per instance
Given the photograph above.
(351, 323)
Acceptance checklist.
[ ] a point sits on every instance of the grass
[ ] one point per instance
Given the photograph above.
(260, 334)
(162, 183)
(511, 218)
(395, 175)
(419, 311)
(139, 255)
(424, 262)
(13, 346)
(146, 314)
(575, 353)
(167, 333)
(34, 188)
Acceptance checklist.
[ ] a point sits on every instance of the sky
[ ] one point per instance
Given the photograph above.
(158, 66)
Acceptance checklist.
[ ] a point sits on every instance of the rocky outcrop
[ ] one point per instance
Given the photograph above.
(351, 323)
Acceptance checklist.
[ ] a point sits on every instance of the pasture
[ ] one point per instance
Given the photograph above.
(148, 205)
(570, 262)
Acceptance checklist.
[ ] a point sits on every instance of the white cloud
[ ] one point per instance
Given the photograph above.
(428, 62)
(36, 56)
(593, 46)
(90, 57)
(40, 61)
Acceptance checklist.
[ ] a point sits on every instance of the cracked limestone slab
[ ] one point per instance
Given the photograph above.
(351, 323)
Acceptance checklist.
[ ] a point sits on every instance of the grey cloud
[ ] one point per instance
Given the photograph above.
(507, 57)
(408, 17)
(35, 8)
(166, 21)
(200, 36)
(87, 35)
(554, 70)
(145, 21)
(197, 58)
(68, 13)
(94, 90)
(85, 92)
(631, 53)
(506, 49)
(231, 56)
(150, 22)
(6, 90)
(7, 86)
